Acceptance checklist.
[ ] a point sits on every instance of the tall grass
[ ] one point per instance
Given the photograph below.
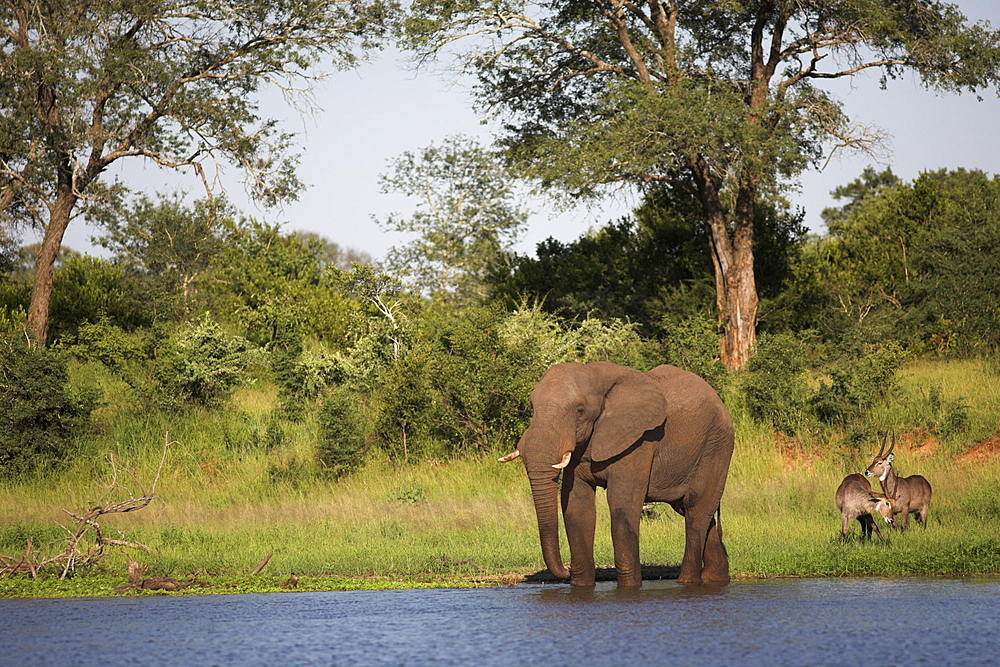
(241, 483)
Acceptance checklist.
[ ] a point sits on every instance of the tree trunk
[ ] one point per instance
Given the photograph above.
(740, 312)
(45, 258)
(732, 258)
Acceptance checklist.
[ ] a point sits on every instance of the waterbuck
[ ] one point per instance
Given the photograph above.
(855, 500)
(911, 494)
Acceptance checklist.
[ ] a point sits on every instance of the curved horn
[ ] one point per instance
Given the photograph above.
(565, 461)
(881, 449)
(510, 457)
(893, 445)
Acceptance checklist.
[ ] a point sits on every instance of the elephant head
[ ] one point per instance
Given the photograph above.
(595, 410)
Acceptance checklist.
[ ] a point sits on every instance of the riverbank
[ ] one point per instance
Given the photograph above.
(220, 509)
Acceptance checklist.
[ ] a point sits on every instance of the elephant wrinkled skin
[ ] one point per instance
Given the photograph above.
(661, 436)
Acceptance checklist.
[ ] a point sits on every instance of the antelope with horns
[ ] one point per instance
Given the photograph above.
(911, 494)
(855, 500)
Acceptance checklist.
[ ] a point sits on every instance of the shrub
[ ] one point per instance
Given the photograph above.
(342, 436)
(774, 382)
(862, 379)
(38, 412)
(613, 340)
(88, 289)
(693, 344)
(108, 344)
(306, 377)
(202, 364)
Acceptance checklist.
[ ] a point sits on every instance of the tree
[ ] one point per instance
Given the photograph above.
(168, 242)
(84, 85)
(653, 269)
(279, 289)
(331, 253)
(919, 259)
(717, 93)
(466, 218)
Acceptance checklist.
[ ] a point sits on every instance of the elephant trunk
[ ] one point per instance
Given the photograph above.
(545, 493)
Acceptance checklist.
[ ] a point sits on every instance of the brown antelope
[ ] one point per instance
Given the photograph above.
(855, 500)
(911, 494)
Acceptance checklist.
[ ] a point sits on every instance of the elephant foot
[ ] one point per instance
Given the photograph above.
(585, 579)
(630, 581)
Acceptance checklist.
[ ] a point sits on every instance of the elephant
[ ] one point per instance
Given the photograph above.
(659, 436)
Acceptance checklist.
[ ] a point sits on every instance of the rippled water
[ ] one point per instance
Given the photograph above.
(777, 622)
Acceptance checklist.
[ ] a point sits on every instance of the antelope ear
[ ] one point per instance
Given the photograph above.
(632, 407)
(889, 458)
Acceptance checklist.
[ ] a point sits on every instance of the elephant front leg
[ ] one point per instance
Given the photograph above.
(626, 510)
(580, 516)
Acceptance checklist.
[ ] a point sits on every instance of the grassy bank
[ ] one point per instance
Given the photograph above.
(235, 487)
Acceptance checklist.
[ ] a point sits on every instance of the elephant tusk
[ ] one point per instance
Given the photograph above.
(510, 457)
(565, 461)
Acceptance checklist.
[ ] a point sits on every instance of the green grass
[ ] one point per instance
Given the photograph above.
(235, 487)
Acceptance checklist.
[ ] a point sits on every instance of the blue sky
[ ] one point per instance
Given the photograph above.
(376, 112)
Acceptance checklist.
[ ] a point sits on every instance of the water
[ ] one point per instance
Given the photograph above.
(778, 622)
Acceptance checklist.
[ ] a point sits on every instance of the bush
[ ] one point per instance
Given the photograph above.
(693, 344)
(462, 388)
(306, 377)
(342, 436)
(88, 289)
(774, 382)
(38, 412)
(863, 378)
(202, 364)
(109, 344)
(613, 340)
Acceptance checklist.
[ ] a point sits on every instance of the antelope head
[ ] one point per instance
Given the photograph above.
(882, 462)
(883, 507)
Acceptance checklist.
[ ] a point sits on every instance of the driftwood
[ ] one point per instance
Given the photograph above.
(260, 565)
(73, 555)
(137, 582)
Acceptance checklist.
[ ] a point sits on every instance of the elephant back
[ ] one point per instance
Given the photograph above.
(692, 405)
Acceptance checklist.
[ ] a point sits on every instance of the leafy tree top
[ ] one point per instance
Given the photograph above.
(631, 91)
(83, 84)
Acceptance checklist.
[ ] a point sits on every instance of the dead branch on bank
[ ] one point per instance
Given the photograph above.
(75, 554)
(137, 582)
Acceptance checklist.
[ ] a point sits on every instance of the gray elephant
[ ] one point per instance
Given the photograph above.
(659, 436)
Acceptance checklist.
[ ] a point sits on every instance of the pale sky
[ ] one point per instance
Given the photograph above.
(376, 112)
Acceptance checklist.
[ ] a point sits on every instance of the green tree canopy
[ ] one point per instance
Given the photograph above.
(653, 269)
(86, 84)
(169, 243)
(920, 260)
(721, 94)
(466, 218)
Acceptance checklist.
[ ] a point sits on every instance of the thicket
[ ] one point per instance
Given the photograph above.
(363, 368)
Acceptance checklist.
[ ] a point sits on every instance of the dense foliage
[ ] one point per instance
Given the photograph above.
(371, 369)
(723, 98)
(915, 262)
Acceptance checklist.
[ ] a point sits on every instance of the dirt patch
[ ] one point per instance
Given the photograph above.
(793, 456)
(921, 443)
(981, 450)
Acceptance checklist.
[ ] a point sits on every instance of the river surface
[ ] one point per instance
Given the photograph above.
(937, 622)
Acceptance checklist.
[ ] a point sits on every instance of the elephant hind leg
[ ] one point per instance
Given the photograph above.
(697, 527)
(716, 559)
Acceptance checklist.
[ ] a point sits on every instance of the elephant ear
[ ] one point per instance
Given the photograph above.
(632, 407)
